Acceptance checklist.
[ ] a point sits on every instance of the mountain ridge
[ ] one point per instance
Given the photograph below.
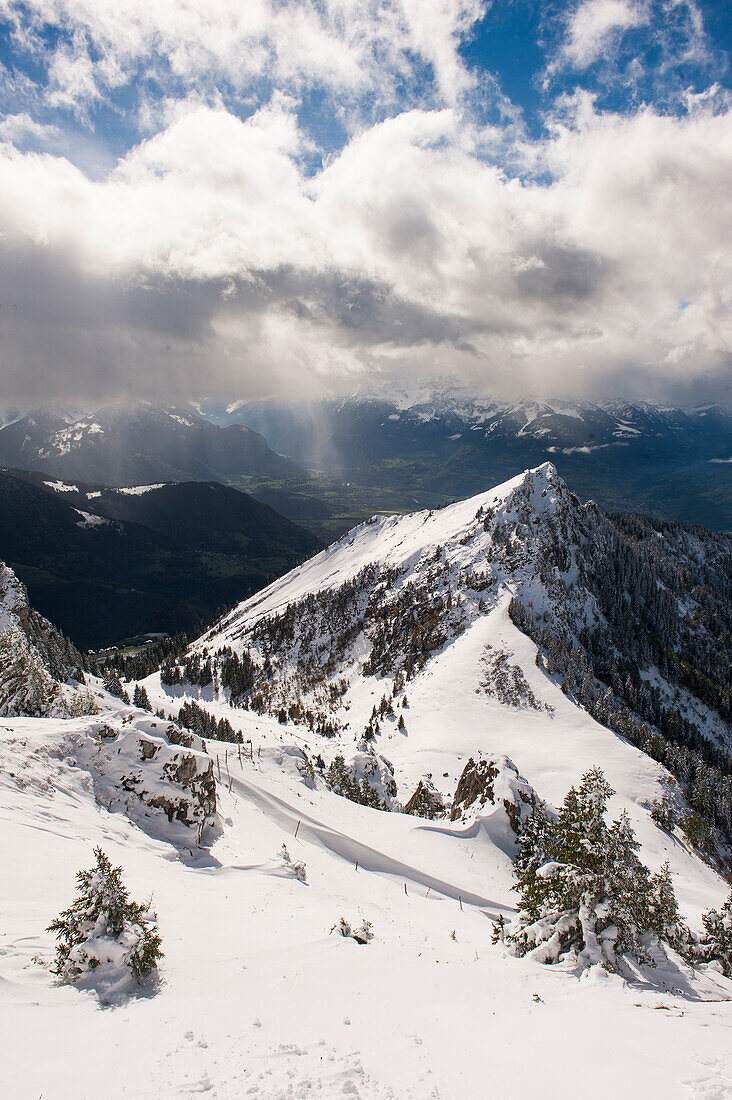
(628, 456)
(433, 697)
(137, 444)
(631, 619)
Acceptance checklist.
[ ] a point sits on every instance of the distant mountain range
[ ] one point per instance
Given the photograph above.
(138, 445)
(109, 563)
(669, 462)
(330, 464)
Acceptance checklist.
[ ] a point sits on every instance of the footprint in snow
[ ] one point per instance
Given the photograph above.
(204, 1084)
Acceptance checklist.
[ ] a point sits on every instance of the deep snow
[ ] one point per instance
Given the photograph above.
(256, 997)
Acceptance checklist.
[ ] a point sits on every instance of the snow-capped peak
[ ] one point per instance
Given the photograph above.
(405, 541)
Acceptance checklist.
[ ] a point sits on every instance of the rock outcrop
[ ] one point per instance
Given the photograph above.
(160, 777)
(426, 801)
(489, 782)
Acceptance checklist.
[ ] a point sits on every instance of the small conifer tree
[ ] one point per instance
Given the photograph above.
(113, 685)
(360, 935)
(104, 927)
(715, 945)
(140, 698)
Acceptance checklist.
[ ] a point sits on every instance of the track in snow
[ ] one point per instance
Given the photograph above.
(354, 851)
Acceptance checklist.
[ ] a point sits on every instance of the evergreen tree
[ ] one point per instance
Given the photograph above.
(664, 913)
(663, 810)
(583, 888)
(104, 927)
(716, 942)
(113, 685)
(140, 698)
(533, 840)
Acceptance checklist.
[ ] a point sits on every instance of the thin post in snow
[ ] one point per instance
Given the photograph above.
(218, 765)
(297, 829)
(356, 864)
(428, 891)
(461, 902)
(405, 889)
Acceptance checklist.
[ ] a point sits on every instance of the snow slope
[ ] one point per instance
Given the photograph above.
(256, 996)
(455, 708)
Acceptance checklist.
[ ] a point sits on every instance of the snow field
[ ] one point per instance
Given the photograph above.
(256, 998)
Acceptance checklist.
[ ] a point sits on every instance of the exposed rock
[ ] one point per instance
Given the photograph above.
(426, 801)
(493, 781)
(136, 770)
(178, 736)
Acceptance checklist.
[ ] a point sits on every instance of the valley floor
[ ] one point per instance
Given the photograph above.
(257, 998)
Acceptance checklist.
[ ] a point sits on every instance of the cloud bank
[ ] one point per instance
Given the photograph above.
(218, 256)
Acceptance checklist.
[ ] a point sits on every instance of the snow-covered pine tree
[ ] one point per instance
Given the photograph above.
(26, 686)
(140, 698)
(103, 928)
(113, 685)
(584, 891)
(665, 918)
(362, 935)
(715, 945)
(663, 810)
(627, 884)
(532, 846)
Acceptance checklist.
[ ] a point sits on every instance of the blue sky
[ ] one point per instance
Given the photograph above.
(350, 189)
(519, 55)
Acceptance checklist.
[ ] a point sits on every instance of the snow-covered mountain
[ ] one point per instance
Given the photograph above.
(448, 410)
(631, 620)
(447, 443)
(139, 444)
(463, 663)
(40, 670)
(392, 450)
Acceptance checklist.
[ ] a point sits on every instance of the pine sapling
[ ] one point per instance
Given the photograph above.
(104, 928)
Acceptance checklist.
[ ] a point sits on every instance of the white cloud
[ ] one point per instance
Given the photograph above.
(209, 250)
(595, 23)
(348, 47)
(208, 254)
(22, 128)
